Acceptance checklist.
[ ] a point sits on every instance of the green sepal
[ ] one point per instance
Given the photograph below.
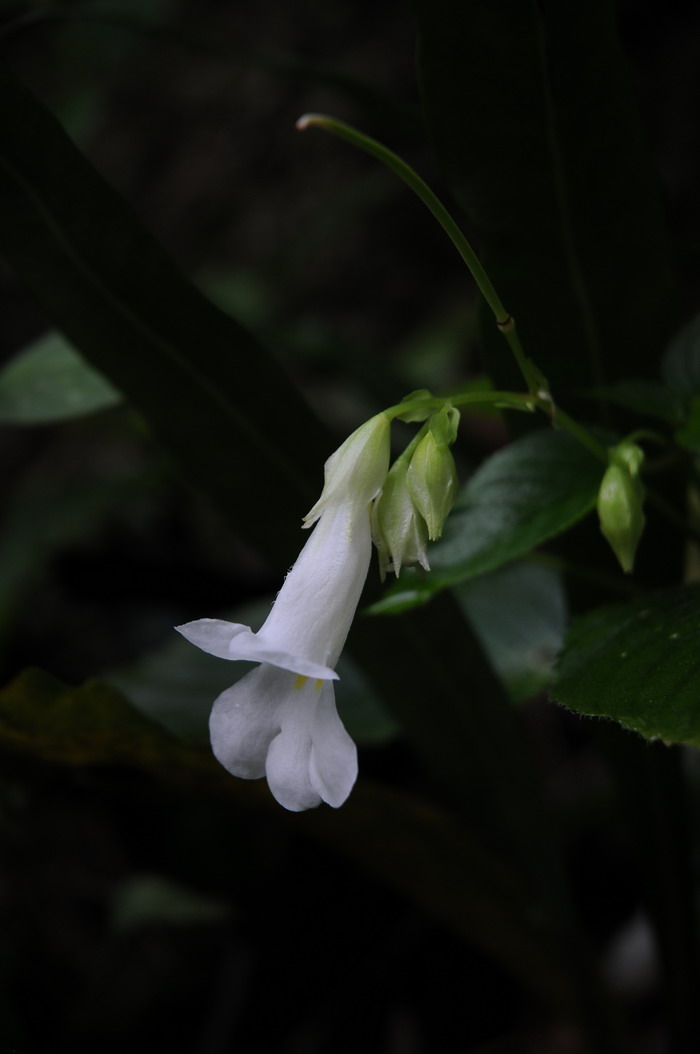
(444, 424)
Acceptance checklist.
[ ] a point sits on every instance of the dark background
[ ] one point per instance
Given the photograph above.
(133, 916)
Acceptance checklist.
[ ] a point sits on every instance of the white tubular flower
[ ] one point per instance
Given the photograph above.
(280, 720)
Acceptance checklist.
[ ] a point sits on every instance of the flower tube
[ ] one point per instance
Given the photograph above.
(280, 720)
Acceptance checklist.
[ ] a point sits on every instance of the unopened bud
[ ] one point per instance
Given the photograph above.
(432, 477)
(620, 501)
(398, 530)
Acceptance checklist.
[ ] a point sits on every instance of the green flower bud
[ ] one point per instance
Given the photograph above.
(398, 530)
(620, 501)
(432, 477)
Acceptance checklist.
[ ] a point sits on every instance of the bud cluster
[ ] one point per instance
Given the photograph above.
(408, 503)
(417, 496)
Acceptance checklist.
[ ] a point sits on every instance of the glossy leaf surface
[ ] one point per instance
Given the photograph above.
(519, 615)
(639, 664)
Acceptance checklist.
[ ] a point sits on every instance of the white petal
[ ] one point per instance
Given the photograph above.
(287, 765)
(333, 760)
(245, 719)
(316, 605)
(232, 640)
(214, 635)
(258, 650)
(356, 471)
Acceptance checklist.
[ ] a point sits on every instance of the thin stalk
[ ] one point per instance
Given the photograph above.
(535, 381)
(496, 400)
(598, 449)
(411, 178)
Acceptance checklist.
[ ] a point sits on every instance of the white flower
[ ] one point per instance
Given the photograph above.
(280, 720)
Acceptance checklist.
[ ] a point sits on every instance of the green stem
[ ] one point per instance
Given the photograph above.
(648, 434)
(599, 450)
(408, 452)
(426, 195)
(536, 383)
(496, 400)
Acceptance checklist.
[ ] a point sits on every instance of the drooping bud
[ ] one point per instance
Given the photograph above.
(620, 501)
(432, 477)
(398, 530)
(357, 469)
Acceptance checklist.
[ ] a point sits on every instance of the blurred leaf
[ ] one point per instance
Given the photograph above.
(49, 381)
(531, 491)
(646, 398)
(437, 350)
(680, 366)
(91, 724)
(638, 663)
(176, 685)
(523, 99)
(417, 848)
(150, 900)
(55, 508)
(216, 400)
(688, 434)
(519, 615)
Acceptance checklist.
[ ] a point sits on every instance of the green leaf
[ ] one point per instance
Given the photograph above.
(531, 491)
(638, 663)
(49, 381)
(519, 614)
(91, 724)
(523, 99)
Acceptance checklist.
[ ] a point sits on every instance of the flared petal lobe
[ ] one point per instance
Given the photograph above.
(232, 640)
(245, 718)
(286, 727)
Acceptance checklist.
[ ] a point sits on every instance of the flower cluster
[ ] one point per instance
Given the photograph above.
(280, 720)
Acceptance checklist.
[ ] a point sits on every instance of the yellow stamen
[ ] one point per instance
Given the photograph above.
(299, 682)
(319, 684)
